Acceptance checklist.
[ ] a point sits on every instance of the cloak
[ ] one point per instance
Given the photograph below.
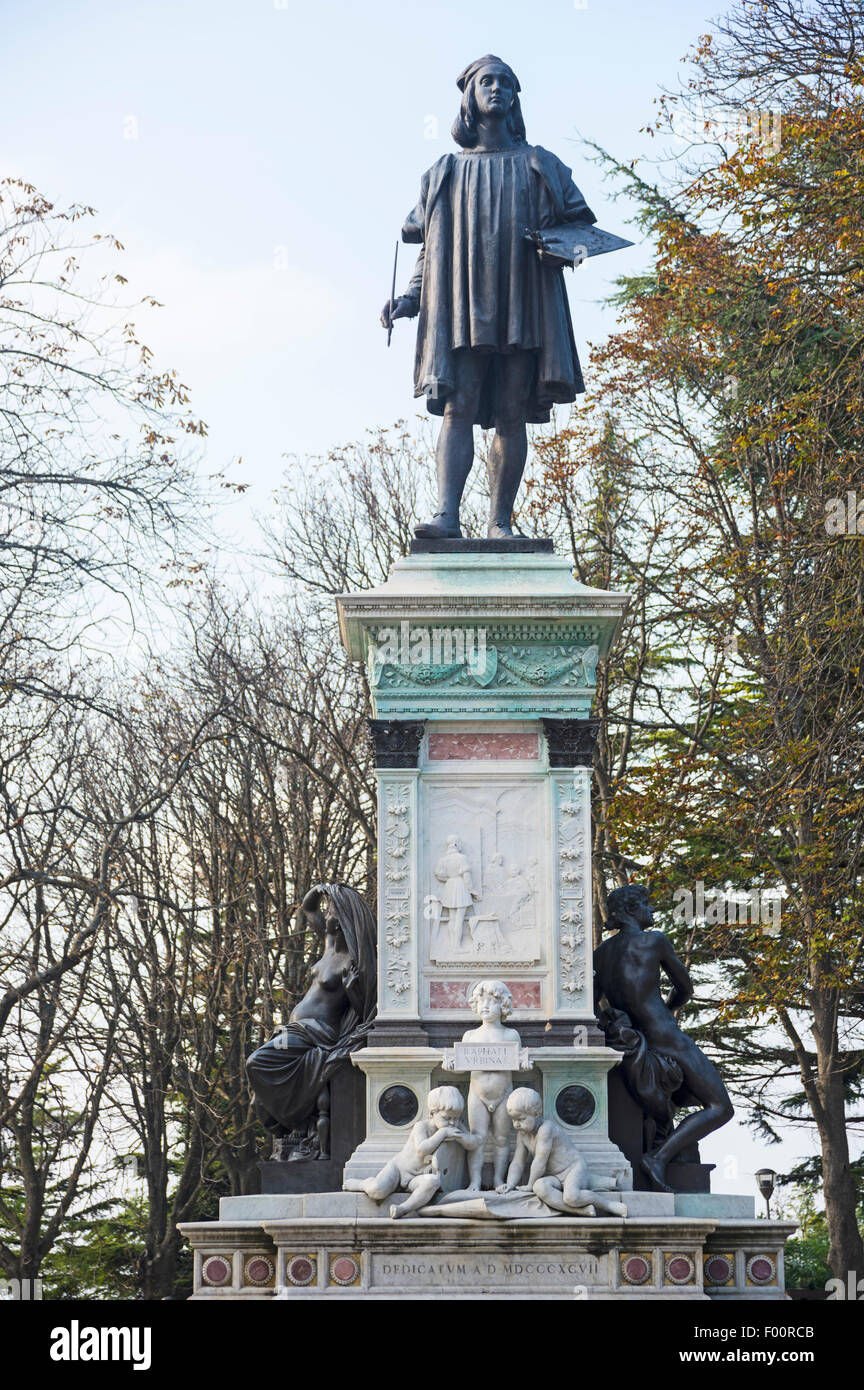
(453, 290)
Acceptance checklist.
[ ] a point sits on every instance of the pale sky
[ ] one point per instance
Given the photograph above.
(257, 160)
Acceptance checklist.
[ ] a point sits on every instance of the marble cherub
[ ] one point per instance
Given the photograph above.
(414, 1169)
(558, 1173)
(492, 1001)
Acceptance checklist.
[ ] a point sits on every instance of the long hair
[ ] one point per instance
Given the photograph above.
(464, 128)
(361, 937)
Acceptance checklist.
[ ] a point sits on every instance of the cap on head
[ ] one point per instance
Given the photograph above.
(486, 62)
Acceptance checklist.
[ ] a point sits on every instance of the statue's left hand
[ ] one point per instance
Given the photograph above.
(312, 900)
(544, 252)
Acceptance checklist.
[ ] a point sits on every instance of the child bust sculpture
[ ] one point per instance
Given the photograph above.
(492, 1001)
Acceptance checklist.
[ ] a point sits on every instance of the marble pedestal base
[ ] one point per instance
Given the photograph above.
(341, 1254)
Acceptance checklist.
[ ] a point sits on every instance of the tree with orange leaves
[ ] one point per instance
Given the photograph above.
(730, 413)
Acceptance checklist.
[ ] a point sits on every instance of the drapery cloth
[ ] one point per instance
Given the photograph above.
(288, 1073)
(654, 1079)
(479, 283)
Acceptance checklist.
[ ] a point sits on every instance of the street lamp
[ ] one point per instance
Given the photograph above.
(765, 1182)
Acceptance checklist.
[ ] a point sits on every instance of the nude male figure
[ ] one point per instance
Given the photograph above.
(627, 971)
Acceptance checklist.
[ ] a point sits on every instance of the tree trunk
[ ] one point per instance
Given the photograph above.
(839, 1188)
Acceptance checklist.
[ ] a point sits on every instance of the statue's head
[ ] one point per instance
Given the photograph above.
(490, 88)
(490, 997)
(525, 1108)
(630, 901)
(445, 1106)
(452, 843)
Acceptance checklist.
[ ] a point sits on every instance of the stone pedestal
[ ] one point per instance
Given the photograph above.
(482, 669)
(574, 1090)
(398, 1080)
(572, 1081)
(481, 664)
(337, 1246)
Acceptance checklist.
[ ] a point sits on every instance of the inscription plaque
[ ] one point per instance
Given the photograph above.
(486, 1057)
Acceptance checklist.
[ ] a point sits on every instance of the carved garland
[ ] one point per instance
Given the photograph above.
(571, 887)
(397, 879)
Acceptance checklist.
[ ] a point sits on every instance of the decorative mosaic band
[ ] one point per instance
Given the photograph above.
(453, 994)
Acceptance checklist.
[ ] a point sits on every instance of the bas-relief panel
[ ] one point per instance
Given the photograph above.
(483, 874)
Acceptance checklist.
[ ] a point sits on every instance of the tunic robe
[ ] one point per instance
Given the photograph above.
(454, 871)
(480, 285)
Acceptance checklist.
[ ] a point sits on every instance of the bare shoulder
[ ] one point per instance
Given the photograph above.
(659, 943)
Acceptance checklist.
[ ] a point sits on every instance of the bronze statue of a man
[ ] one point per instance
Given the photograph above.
(494, 338)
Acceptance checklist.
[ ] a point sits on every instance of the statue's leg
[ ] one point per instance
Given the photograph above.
(455, 452)
(502, 1130)
(378, 1187)
(704, 1081)
(509, 448)
(457, 917)
(478, 1123)
(322, 1123)
(549, 1191)
(422, 1191)
(607, 1204)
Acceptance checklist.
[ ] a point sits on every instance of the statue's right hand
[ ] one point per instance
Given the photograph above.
(402, 309)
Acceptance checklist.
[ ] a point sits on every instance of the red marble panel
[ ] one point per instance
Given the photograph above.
(453, 994)
(501, 746)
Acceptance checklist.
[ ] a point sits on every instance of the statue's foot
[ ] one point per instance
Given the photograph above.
(617, 1209)
(656, 1170)
(499, 531)
(394, 1211)
(440, 527)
